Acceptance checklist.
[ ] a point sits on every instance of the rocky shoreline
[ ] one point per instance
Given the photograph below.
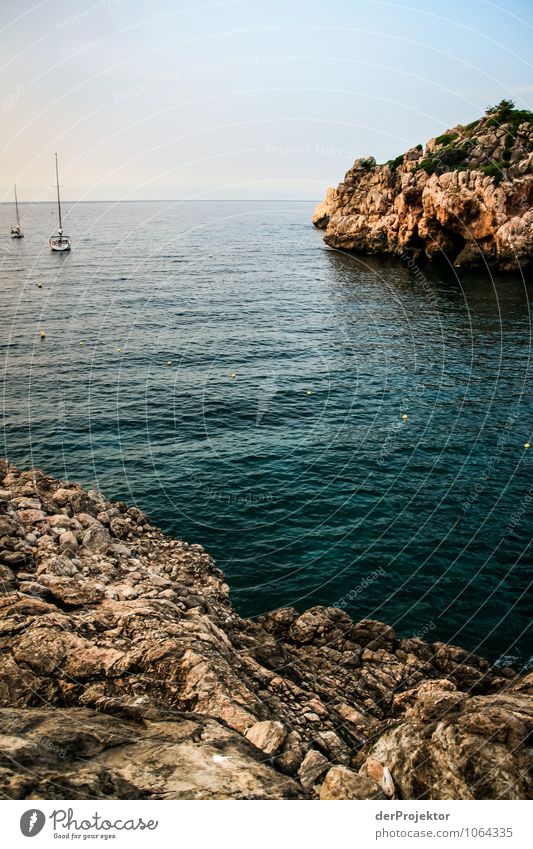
(468, 196)
(126, 673)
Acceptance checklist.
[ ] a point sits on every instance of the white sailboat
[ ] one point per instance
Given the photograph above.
(59, 242)
(16, 232)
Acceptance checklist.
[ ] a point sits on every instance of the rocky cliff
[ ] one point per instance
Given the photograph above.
(126, 673)
(467, 195)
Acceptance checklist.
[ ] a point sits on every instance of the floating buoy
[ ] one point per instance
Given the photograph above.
(169, 362)
(82, 343)
(42, 334)
(526, 444)
(309, 392)
(39, 285)
(119, 350)
(234, 375)
(405, 417)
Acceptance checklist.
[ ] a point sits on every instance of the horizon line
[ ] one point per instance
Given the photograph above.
(167, 200)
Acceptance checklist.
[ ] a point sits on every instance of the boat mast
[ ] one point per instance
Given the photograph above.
(58, 198)
(17, 207)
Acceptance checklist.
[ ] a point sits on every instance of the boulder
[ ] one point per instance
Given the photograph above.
(312, 767)
(267, 736)
(96, 539)
(31, 517)
(322, 210)
(6, 575)
(342, 783)
(8, 527)
(61, 496)
(13, 558)
(68, 541)
(487, 739)
(379, 774)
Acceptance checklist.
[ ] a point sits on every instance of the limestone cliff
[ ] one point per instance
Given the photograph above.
(126, 673)
(468, 195)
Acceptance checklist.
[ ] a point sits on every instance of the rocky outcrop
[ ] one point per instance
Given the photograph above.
(443, 731)
(77, 753)
(468, 195)
(126, 673)
(323, 210)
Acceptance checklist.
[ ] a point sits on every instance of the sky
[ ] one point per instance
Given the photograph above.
(241, 99)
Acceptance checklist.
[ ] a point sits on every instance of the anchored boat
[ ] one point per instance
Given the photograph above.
(16, 232)
(59, 242)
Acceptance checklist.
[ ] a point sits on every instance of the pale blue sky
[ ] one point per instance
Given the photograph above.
(242, 99)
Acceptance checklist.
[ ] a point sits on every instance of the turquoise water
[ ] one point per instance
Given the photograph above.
(275, 435)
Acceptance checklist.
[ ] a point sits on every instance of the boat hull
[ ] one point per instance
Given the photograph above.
(60, 243)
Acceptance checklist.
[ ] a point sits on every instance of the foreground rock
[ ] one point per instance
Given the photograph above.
(468, 195)
(126, 673)
(342, 783)
(78, 753)
(439, 739)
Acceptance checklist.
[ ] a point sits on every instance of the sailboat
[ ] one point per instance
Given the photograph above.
(59, 242)
(16, 232)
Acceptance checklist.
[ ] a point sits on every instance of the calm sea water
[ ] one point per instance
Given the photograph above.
(215, 364)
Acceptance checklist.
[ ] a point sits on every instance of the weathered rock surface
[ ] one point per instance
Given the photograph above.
(78, 753)
(323, 210)
(432, 751)
(342, 783)
(267, 736)
(121, 647)
(467, 195)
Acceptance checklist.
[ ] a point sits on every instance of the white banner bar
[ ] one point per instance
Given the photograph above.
(276, 825)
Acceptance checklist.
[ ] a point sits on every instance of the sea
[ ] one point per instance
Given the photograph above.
(334, 429)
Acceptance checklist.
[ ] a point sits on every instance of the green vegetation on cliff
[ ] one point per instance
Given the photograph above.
(452, 151)
(463, 148)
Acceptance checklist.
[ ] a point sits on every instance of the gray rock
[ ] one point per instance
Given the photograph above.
(8, 527)
(6, 575)
(333, 746)
(13, 558)
(96, 496)
(57, 565)
(120, 550)
(32, 588)
(96, 538)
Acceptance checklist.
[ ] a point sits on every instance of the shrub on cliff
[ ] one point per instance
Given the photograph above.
(506, 113)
